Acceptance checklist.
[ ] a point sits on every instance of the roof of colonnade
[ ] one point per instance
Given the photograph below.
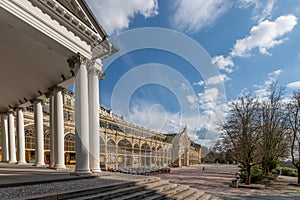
(37, 38)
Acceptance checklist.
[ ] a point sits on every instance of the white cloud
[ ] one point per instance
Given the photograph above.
(276, 72)
(223, 63)
(293, 85)
(192, 99)
(184, 87)
(154, 117)
(262, 9)
(264, 36)
(115, 15)
(215, 80)
(208, 98)
(219, 79)
(199, 83)
(192, 16)
(262, 90)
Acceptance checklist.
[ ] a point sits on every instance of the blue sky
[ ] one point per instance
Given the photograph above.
(240, 44)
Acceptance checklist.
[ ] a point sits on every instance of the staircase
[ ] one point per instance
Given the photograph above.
(149, 188)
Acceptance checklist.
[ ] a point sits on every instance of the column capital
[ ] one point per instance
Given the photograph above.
(20, 108)
(75, 61)
(34, 101)
(10, 111)
(95, 69)
(55, 89)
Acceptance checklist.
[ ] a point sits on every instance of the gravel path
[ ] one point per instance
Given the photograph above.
(15, 174)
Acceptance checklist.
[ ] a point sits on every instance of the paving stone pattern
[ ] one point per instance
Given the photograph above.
(216, 179)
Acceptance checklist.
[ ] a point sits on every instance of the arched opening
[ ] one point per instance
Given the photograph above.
(47, 147)
(165, 159)
(111, 153)
(169, 156)
(102, 153)
(145, 157)
(159, 161)
(136, 155)
(153, 156)
(30, 143)
(124, 153)
(69, 147)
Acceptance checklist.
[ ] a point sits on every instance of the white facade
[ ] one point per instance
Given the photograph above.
(56, 44)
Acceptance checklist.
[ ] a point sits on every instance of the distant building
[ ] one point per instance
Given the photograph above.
(121, 144)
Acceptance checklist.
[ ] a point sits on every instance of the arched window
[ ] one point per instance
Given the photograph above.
(29, 138)
(47, 141)
(153, 153)
(136, 156)
(111, 151)
(70, 142)
(145, 151)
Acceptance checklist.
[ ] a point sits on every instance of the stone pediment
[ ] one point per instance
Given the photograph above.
(76, 10)
(76, 16)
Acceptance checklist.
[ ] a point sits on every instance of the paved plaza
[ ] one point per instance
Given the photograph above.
(216, 179)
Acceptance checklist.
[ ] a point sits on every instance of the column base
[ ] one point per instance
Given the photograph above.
(12, 162)
(81, 172)
(59, 166)
(51, 165)
(96, 170)
(39, 164)
(22, 163)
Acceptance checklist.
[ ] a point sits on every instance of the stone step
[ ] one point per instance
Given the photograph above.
(136, 195)
(113, 193)
(163, 188)
(156, 197)
(147, 180)
(195, 195)
(156, 184)
(213, 198)
(184, 193)
(205, 197)
(175, 190)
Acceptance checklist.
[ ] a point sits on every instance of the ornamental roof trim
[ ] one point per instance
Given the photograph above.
(76, 16)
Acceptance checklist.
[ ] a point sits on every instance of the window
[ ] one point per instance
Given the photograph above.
(70, 142)
(29, 139)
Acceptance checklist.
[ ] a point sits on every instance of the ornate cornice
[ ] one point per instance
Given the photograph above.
(59, 13)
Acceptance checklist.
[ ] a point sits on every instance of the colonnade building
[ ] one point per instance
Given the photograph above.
(46, 46)
(122, 144)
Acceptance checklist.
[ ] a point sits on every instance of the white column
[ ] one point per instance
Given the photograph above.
(12, 137)
(21, 136)
(51, 116)
(39, 133)
(81, 120)
(4, 133)
(59, 130)
(94, 143)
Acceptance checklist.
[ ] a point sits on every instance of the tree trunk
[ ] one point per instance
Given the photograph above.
(248, 175)
(266, 167)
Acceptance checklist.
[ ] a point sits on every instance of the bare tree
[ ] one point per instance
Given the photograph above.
(294, 125)
(241, 127)
(273, 125)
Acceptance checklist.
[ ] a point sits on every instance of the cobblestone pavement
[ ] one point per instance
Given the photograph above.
(216, 179)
